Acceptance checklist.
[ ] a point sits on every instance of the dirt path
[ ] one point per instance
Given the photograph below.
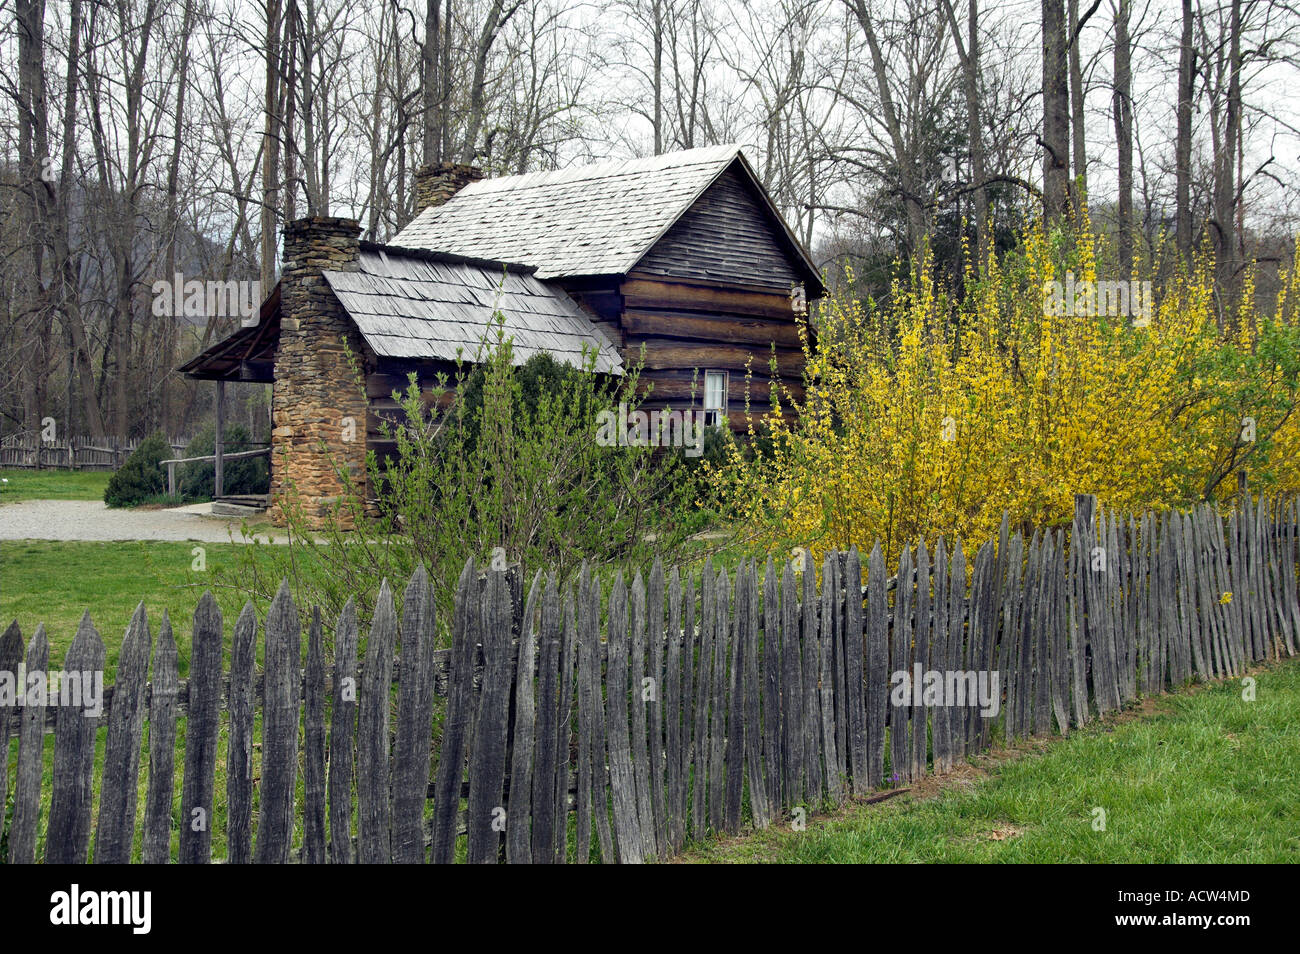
(92, 520)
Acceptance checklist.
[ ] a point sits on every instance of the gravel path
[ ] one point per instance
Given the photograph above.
(92, 520)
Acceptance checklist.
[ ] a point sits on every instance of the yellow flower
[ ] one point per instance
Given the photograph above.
(1047, 405)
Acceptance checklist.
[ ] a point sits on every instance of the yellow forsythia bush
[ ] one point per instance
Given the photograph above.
(932, 416)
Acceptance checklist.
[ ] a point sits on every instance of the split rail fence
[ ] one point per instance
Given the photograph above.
(575, 726)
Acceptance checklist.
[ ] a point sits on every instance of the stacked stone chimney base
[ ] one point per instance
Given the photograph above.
(319, 402)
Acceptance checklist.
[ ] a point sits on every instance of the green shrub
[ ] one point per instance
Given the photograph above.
(141, 477)
(251, 475)
(717, 447)
(510, 466)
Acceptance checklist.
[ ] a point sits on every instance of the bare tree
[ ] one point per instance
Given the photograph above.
(1183, 141)
(1056, 113)
(1224, 56)
(968, 54)
(921, 40)
(1122, 108)
(34, 166)
(431, 87)
(498, 15)
(1078, 96)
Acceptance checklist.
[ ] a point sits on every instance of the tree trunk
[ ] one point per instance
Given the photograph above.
(34, 172)
(907, 185)
(431, 140)
(274, 138)
(444, 108)
(81, 371)
(288, 74)
(1079, 185)
(1123, 112)
(968, 54)
(168, 337)
(1056, 114)
(658, 75)
(1183, 140)
(497, 17)
(975, 132)
(1226, 241)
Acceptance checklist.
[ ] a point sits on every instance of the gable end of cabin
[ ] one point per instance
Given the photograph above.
(717, 294)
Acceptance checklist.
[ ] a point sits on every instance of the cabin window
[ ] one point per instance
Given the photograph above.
(715, 398)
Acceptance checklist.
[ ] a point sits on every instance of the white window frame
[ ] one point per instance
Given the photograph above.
(716, 416)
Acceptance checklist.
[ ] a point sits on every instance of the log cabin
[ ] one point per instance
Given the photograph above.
(680, 264)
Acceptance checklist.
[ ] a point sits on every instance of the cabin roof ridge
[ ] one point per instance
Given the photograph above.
(596, 220)
(449, 258)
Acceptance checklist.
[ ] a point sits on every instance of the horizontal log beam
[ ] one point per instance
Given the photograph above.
(665, 353)
(382, 384)
(642, 293)
(676, 386)
(779, 289)
(735, 329)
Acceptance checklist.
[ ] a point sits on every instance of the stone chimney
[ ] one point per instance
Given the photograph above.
(318, 408)
(437, 183)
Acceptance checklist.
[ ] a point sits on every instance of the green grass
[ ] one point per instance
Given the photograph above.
(1207, 778)
(53, 485)
(54, 582)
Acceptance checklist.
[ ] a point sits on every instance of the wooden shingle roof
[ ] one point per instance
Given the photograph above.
(412, 304)
(599, 219)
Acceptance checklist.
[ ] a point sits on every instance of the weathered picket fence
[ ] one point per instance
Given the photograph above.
(708, 702)
(76, 453)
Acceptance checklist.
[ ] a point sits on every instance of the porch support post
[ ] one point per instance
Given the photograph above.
(220, 443)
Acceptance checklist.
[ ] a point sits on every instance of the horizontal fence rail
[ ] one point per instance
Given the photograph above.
(211, 458)
(576, 725)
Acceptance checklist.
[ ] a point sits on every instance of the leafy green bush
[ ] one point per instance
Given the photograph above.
(249, 475)
(141, 477)
(501, 462)
(538, 376)
(717, 447)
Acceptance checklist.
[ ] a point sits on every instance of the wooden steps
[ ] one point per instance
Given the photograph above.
(240, 505)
